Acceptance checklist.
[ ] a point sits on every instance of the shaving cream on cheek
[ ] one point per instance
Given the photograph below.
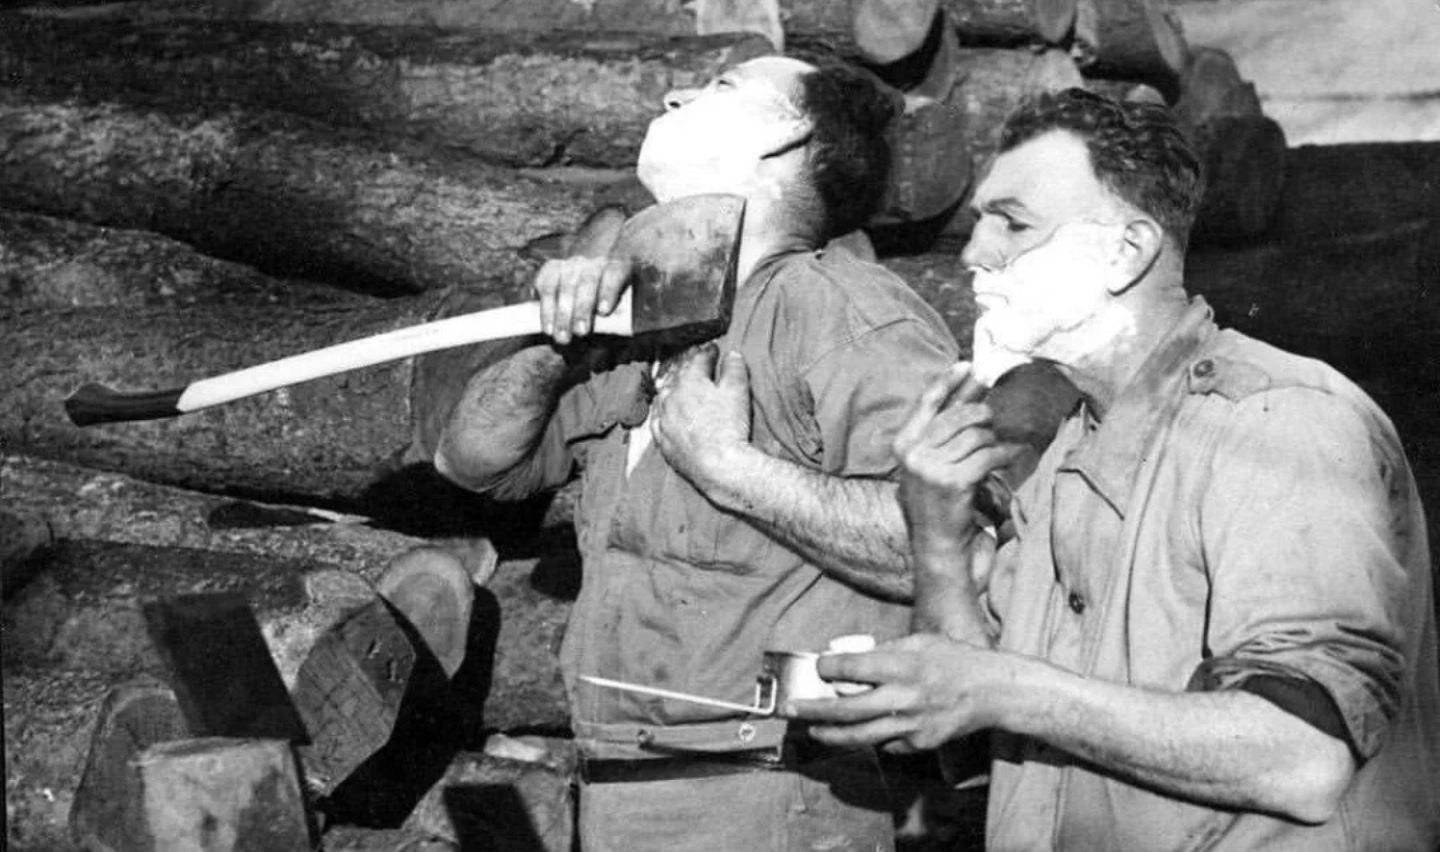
(1054, 301)
(708, 145)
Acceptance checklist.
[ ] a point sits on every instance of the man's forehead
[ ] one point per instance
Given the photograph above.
(1051, 170)
(780, 73)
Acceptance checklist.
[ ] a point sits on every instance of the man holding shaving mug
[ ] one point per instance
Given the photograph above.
(1212, 623)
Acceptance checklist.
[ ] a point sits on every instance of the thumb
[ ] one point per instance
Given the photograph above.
(734, 373)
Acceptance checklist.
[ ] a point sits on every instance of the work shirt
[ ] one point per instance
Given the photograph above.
(680, 595)
(1239, 513)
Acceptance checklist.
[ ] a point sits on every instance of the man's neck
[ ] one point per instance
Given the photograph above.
(1103, 375)
(769, 229)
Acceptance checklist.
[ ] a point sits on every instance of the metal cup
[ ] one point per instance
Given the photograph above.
(791, 674)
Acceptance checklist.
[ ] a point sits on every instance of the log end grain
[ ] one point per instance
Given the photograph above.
(220, 794)
(1244, 163)
(108, 812)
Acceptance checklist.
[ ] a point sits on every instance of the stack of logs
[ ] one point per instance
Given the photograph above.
(188, 189)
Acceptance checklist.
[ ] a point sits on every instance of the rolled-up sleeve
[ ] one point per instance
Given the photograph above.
(1302, 522)
(620, 396)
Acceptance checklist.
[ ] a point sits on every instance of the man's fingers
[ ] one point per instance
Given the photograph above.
(884, 730)
(613, 278)
(564, 304)
(733, 374)
(883, 700)
(547, 281)
(948, 400)
(926, 406)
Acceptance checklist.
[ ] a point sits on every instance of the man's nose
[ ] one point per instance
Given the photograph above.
(676, 98)
(979, 252)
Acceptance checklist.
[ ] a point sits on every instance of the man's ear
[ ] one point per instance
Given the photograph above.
(1139, 245)
(786, 136)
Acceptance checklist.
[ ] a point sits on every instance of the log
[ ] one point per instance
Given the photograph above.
(1050, 19)
(84, 611)
(1012, 22)
(669, 17)
(62, 263)
(109, 808)
(285, 195)
(25, 541)
(1211, 87)
(993, 82)
(489, 801)
(72, 502)
(337, 440)
(50, 714)
(367, 687)
(1131, 39)
(989, 23)
(1244, 159)
(521, 99)
(225, 795)
(76, 630)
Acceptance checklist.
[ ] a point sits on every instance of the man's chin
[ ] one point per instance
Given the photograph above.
(989, 360)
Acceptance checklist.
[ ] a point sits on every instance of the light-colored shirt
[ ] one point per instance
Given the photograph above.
(680, 595)
(1239, 512)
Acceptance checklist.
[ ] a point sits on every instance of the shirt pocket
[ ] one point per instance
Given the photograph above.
(692, 530)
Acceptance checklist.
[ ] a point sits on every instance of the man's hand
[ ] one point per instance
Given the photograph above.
(946, 449)
(928, 690)
(699, 421)
(574, 290)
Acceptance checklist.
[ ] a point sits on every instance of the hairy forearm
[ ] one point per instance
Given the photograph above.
(947, 600)
(500, 417)
(850, 528)
(1226, 749)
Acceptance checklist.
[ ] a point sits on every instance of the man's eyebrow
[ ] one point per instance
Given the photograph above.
(1007, 204)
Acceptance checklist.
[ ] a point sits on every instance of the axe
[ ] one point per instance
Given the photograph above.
(681, 256)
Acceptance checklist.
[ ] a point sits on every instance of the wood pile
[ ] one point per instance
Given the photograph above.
(189, 188)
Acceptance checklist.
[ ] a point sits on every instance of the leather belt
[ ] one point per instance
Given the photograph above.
(674, 767)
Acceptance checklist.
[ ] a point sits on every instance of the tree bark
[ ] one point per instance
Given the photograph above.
(71, 502)
(61, 263)
(1131, 39)
(992, 82)
(1012, 22)
(521, 99)
(284, 195)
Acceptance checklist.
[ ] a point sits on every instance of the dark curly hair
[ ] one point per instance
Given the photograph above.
(849, 153)
(1137, 151)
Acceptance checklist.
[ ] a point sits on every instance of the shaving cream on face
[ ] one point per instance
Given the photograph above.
(1055, 301)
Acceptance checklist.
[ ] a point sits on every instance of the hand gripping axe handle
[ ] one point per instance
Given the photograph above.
(681, 256)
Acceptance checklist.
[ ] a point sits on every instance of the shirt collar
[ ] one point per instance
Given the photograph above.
(1109, 457)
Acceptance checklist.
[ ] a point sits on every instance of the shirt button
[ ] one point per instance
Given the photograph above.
(1077, 603)
(1204, 368)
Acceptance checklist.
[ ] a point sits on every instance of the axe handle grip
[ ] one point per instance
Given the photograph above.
(95, 403)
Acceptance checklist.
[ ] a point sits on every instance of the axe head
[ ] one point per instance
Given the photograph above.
(682, 255)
